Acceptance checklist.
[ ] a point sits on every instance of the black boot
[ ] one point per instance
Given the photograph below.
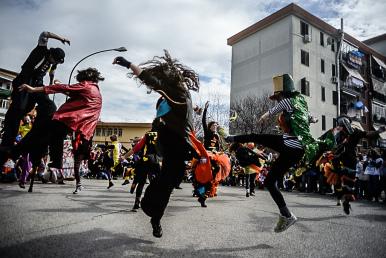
(157, 229)
(136, 204)
(346, 207)
(201, 200)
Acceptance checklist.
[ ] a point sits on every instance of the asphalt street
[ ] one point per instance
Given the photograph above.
(53, 222)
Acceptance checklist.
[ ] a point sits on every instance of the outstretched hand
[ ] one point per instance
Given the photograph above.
(263, 117)
(26, 87)
(122, 62)
(207, 105)
(64, 41)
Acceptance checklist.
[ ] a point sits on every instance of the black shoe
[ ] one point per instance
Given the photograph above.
(44, 181)
(61, 182)
(247, 195)
(126, 182)
(201, 200)
(346, 207)
(157, 229)
(110, 185)
(21, 185)
(178, 187)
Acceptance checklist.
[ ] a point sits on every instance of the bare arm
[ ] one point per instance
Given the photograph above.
(57, 37)
(28, 88)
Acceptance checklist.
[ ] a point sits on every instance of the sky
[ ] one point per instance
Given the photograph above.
(193, 31)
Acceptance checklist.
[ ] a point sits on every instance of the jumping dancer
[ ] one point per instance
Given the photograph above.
(295, 143)
(79, 114)
(39, 62)
(173, 81)
(148, 165)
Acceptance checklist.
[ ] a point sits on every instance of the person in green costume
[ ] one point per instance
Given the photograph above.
(295, 144)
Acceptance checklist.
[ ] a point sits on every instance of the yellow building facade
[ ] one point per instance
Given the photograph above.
(126, 132)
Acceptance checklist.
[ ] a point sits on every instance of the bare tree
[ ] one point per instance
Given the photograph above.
(247, 111)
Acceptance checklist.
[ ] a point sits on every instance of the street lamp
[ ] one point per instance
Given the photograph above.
(120, 49)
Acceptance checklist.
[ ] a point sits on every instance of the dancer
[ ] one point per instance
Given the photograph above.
(39, 62)
(79, 114)
(249, 161)
(148, 165)
(295, 143)
(339, 165)
(173, 81)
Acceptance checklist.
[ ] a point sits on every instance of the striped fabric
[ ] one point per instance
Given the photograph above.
(289, 140)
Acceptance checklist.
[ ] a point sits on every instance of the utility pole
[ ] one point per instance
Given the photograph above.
(338, 60)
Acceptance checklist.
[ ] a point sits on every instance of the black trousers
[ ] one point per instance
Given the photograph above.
(22, 103)
(288, 157)
(50, 134)
(175, 150)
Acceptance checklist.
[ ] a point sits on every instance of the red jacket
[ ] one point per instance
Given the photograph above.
(81, 111)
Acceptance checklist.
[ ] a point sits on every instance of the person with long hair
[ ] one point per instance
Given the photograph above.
(173, 81)
(79, 114)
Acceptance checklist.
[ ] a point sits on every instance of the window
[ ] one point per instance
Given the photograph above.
(323, 93)
(303, 28)
(334, 97)
(104, 132)
(321, 39)
(334, 122)
(116, 131)
(323, 123)
(119, 132)
(333, 70)
(322, 65)
(305, 87)
(98, 132)
(332, 45)
(305, 58)
(109, 131)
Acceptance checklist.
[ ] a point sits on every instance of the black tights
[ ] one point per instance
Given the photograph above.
(288, 157)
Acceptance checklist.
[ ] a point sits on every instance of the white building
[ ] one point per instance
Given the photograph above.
(294, 41)
(6, 78)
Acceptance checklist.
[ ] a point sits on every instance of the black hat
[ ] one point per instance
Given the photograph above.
(58, 54)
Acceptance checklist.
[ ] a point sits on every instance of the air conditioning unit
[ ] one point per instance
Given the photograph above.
(334, 79)
(306, 38)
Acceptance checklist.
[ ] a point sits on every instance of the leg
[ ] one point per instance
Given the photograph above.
(253, 184)
(33, 173)
(247, 184)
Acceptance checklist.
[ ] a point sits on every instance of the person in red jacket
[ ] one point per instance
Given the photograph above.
(79, 114)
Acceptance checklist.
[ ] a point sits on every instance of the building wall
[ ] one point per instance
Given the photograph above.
(379, 47)
(275, 50)
(257, 58)
(129, 132)
(313, 74)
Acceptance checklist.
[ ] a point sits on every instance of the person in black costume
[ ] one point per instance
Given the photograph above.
(40, 61)
(173, 81)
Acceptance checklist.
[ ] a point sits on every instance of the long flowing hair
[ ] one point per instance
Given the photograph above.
(172, 71)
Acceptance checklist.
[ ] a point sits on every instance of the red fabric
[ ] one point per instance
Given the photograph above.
(203, 170)
(139, 145)
(81, 111)
(224, 164)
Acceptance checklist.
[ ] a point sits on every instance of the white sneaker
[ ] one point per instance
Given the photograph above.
(78, 188)
(285, 223)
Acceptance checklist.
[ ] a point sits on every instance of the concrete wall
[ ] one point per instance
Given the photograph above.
(276, 50)
(257, 58)
(313, 74)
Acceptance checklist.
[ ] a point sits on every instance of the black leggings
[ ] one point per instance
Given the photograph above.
(175, 151)
(288, 157)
